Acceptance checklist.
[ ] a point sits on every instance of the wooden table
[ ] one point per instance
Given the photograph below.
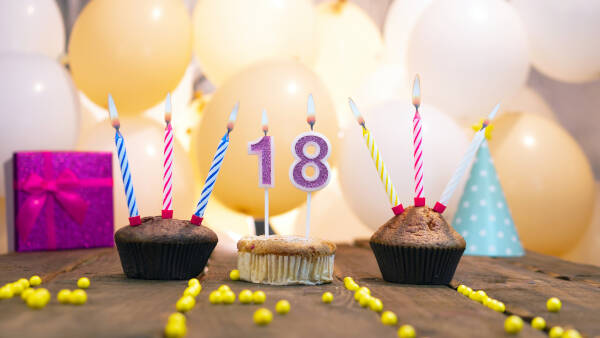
(121, 307)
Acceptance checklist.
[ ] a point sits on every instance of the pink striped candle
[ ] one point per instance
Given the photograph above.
(167, 209)
(418, 144)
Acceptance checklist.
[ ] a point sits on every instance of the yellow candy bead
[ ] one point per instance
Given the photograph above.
(259, 297)
(327, 297)
(6, 292)
(245, 297)
(461, 288)
(556, 332)
(407, 331)
(175, 330)
(234, 275)
(24, 282)
(375, 304)
(215, 297)
(486, 301)
(193, 281)
(571, 333)
(353, 286)
(348, 280)
(228, 297)
(282, 307)
(513, 324)
(36, 301)
(78, 297)
(224, 288)
(35, 280)
(481, 295)
(26, 293)
(468, 291)
(538, 323)
(389, 318)
(176, 317)
(499, 306)
(63, 296)
(193, 291)
(185, 304)
(358, 294)
(17, 288)
(364, 300)
(553, 304)
(83, 283)
(365, 289)
(44, 293)
(262, 316)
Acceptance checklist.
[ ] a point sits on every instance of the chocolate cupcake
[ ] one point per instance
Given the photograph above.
(417, 247)
(164, 248)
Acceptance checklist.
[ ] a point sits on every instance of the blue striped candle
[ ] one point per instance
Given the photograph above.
(213, 172)
(134, 216)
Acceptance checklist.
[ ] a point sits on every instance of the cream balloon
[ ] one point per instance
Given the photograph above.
(399, 22)
(33, 26)
(349, 47)
(471, 54)
(527, 100)
(230, 35)
(547, 181)
(39, 104)
(587, 250)
(282, 88)
(563, 37)
(444, 143)
(388, 81)
(144, 142)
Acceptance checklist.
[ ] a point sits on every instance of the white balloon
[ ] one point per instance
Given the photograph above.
(32, 26)
(529, 101)
(471, 54)
(563, 37)
(39, 104)
(388, 81)
(349, 47)
(444, 144)
(399, 22)
(230, 35)
(144, 142)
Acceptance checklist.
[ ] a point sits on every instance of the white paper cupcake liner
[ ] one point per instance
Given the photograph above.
(285, 270)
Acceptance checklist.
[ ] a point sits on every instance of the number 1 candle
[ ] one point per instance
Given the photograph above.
(167, 210)
(213, 172)
(134, 215)
(316, 160)
(440, 206)
(418, 144)
(263, 147)
(383, 174)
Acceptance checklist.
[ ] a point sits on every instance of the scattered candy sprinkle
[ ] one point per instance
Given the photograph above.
(258, 297)
(375, 304)
(83, 283)
(282, 307)
(184, 304)
(228, 297)
(35, 280)
(262, 316)
(234, 274)
(389, 318)
(63, 296)
(538, 323)
(78, 297)
(407, 331)
(556, 332)
(513, 324)
(193, 281)
(215, 297)
(245, 296)
(327, 297)
(553, 304)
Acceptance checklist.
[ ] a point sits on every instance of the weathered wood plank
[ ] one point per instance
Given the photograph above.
(558, 268)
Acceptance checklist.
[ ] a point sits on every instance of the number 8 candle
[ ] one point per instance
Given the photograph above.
(303, 160)
(213, 172)
(134, 216)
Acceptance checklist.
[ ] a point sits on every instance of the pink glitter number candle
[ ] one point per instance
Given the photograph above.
(418, 144)
(167, 209)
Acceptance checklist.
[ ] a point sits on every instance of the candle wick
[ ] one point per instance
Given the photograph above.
(264, 131)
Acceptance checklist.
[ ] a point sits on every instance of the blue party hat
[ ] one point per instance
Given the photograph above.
(483, 217)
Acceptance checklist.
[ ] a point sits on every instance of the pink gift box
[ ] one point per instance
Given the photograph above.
(63, 200)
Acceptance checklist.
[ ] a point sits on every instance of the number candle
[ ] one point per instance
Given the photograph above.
(213, 172)
(382, 171)
(263, 147)
(417, 144)
(440, 206)
(317, 160)
(167, 209)
(134, 215)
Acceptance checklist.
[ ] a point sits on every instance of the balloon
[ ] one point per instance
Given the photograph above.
(39, 104)
(32, 26)
(471, 54)
(388, 81)
(230, 35)
(399, 22)
(282, 88)
(348, 48)
(444, 143)
(144, 141)
(563, 37)
(527, 100)
(547, 181)
(137, 50)
(587, 250)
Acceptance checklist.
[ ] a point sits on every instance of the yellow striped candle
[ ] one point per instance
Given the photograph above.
(382, 171)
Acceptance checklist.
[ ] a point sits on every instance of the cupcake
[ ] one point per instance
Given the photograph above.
(417, 247)
(285, 260)
(164, 248)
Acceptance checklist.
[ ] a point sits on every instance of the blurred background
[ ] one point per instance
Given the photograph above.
(539, 58)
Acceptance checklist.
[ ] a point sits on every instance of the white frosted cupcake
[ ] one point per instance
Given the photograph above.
(285, 260)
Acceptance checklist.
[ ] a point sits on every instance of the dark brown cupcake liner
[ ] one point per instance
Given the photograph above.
(414, 265)
(165, 261)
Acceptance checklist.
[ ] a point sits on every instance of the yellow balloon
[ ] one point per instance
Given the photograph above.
(547, 179)
(137, 50)
(144, 142)
(282, 88)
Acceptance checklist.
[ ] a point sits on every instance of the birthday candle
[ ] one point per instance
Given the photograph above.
(440, 206)
(418, 144)
(382, 171)
(167, 209)
(134, 216)
(213, 172)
